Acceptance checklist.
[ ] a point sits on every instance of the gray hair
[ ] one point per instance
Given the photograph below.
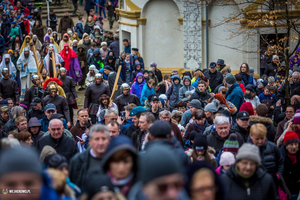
(116, 36)
(99, 128)
(164, 112)
(111, 110)
(16, 112)
(10, 142)
(54, 120)
(296, 73)
(149, 116)
(275, 57)
(221, 120)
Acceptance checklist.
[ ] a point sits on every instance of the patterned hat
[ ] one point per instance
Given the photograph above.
(296, 119)
(231, 144)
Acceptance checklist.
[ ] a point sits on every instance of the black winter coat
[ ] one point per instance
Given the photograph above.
(245, 133)
(261, 186)
(202, 96)
(215, 79)
(291, 173)
(268, 124)
(271, 69)
(60, 103)
(216, 142)
(65, 145)
(123, 100)
(9, 126)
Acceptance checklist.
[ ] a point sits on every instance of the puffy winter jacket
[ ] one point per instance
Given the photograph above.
(214, 79)
(185, 88)
(146, 92)
(202, 96)
(245, 133)
(9, 126)
(235, 95)
(173, 91)
(136, 87)
(268, 124)
(261, 185)
(269, 100)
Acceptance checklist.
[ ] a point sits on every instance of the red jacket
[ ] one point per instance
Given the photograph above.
(242, 87)
(27, 26)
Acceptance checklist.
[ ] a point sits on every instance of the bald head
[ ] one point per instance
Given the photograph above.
(295, 100)
(56, 128)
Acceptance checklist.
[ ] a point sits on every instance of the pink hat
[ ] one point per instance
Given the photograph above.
(227, 158)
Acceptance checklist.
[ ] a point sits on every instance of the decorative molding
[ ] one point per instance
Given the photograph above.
(180, 20)
(132, 6)
(142, 21)
(204, 22)
(128, 14)
(128, 23)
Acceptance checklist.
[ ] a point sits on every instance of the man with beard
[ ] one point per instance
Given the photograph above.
(82, 124)
(6, 63)
(59, 101)
(36, 109)
(48, 61)
(27, 66)
(104, 104)
(70, 91)
(135, 114)
(65, 23)
(90, 77)
(35, 90)
(126, 98)
(154, 105)
(4, 115)
(8, 87)
(92, 94)
(65, 40)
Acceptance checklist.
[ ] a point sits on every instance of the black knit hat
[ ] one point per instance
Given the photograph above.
(56, 161)
(200, 142)
(192, 135)
(160, 129)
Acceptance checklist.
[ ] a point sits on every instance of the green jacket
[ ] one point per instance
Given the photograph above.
(14, 31)
(106, 39)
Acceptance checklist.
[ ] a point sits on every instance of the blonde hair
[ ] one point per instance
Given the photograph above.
(258, 130)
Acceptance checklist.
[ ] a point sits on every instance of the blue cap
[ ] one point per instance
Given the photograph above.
(29, 17)
(50, 106)
(212, 65)
(13, 23)
(4, 102)
(22, 14)
(137, 110)
(18, 16)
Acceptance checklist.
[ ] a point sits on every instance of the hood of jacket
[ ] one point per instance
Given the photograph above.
(117, 144)
(34, 122)
(96, 51)
(176, 77)
(186, 77)
(258, 119)
(97, 27)
(140, 74)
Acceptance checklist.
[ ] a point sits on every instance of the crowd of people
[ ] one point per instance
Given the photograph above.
(205, 134)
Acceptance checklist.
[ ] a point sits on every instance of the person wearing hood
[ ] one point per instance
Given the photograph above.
(90, 77)
(96, 59)
(147, 90)
(110, 60)
(247, 179)
(235, 94)
(37, 43)
(65, 22)
(79, 27)
(95, 32)
(186, 87)
(136, 68)
(137, 86)
(57, 59)
(153, 76)
(74, 45)
(200, 92)
(34, 127)
(97, 41)
(120, 163)
(173, 91)
(21, 166)
(65, 40)
(82, 58)
(104, 50)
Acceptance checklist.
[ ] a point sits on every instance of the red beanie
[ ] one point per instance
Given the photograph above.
(290, 137)
(247, 106)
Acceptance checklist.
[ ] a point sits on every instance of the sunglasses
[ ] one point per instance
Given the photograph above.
(163, 188)
(50, 111)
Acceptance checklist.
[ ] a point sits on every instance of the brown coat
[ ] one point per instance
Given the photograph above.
(177, 133)
(280, 128)
(77, 130)
(39, 32)
(65, 23)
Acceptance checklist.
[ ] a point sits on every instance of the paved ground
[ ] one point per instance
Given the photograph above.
(81, 10)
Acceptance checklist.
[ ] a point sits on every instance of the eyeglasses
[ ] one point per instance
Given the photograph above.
(50, 111)
(164, 187)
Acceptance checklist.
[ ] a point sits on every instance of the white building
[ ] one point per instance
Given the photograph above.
(174, 34)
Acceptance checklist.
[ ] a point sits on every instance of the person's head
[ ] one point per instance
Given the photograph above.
(212, 108)
(21, 123)
(181, 106)
(151, 83)
(268, 90)
(145, 120)
(154, 102)
(165, 115)
(242, 119)
(176, 79)
(34, 125)
(222, 125)
(99, 139)
(128, 109)
(82, 117)
(291, 142)
(66, 37)
(230, 80)
(17, 111)
(247, 160)
(27, 39)
(194, 105)
(24, 138)
(56, 128)
(162, 180)
(111, 114)
(135, 114)
(125, 89)
(114, 129)
(200, 145)
(86, 38)
(26, 52)
(21, 168)
(295, 77)
(213, 67)
(199, 117)
(51, 12)
(127, 56)
(258, 133)
(104, 100)
(201, 86)
(51, 50)
(66, 14)
(44, 73)
(10, 103)
(104, 45)
(289, 112)
(125, 42)
(262, 110)
(140, 79)
(275, 59)
(90, 18)
(227, 159)
(4, 112)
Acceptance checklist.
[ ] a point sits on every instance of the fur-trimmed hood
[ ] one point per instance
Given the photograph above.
(258, 119)
(225, 69)
(280, 139)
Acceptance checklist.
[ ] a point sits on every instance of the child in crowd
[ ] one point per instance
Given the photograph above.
(126, 70)
(250, 95)
(268, 98)
(173, 91)
(138, 85)
(227, 159)
(148, 89)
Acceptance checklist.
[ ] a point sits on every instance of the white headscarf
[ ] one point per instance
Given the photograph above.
(11, 68)
(31, 65)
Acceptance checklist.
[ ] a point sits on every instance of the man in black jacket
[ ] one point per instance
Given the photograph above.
(63, 145)
(156, 71)
(242, 125)
(90, 159)
(35, 90)
(52, 21)
(215, 77)
(9, 87)
(36, 109)
(272, 67)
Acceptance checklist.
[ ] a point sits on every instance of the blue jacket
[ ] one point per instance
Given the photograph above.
(45, 123)
(2, 43)
(268, 100)
(89, 4)
(146, 92)
(173, 91)
(247, 79)
(79, 25)
(235, 95)
(129, 122)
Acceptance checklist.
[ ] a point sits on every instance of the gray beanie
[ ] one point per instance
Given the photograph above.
(158, 161)
(251, 70)
(220, 88)
(187, 93)
(20, 159)
(230, 79)
(196, 103)
(213, 106)
(249, 152)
